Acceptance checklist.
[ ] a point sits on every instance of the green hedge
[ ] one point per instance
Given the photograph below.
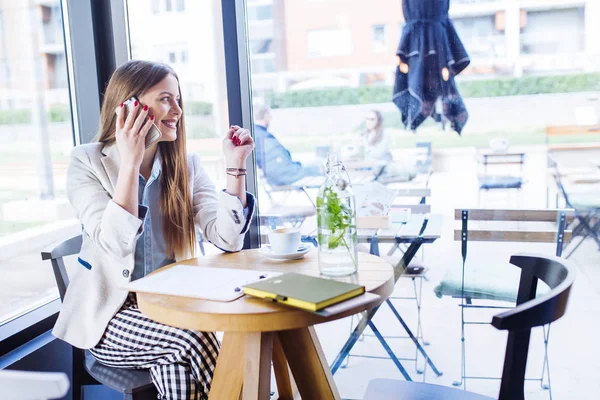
(530, 85)
(57, 113)
(198, 108)
(474, 88)
(10, 117)
(60, 113)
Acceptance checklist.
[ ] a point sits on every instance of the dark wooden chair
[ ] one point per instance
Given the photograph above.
(132, 383)
(531, 311)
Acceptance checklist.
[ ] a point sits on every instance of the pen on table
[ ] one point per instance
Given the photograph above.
(238, 289)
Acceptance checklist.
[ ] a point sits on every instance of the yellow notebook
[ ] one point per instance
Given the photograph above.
(303, 291)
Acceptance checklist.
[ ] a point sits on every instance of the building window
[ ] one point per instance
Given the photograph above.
(261, 46)
(168, 5)
(260, 13)
(329, 42)
(180, 6)
(172, 58)
(379, 38)
(263, 65)
(480, 36)
(540, 35)
(184, 56)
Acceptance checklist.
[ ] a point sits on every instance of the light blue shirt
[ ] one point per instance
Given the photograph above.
(151, 249)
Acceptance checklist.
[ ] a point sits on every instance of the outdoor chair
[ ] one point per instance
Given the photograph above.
(134, 384)
(490, 180)
(499, 281)
(587, 211)
(531, 311)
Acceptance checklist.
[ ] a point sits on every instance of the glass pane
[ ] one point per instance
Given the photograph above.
(36, 133)
(198, 58)
(335, 62)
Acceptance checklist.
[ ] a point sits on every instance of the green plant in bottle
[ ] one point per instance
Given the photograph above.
(336, 222)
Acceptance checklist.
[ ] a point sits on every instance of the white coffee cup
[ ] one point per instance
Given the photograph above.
(284, 240)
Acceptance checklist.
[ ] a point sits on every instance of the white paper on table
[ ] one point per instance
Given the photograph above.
(217, 284)
(373, 199)
(364, 298)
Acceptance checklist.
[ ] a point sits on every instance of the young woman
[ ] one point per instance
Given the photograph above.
(375, 142)
(139, 209)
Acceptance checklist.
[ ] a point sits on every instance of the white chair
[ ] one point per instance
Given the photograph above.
(25, 385)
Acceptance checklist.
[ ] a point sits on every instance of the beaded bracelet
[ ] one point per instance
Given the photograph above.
(236, 169)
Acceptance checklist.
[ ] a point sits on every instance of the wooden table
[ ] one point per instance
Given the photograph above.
(258, 332)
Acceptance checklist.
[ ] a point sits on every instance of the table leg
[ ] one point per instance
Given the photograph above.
(307, 361)
(229, 373)
(360, 327)
(368, 316)
(286, 387)
(257, 366)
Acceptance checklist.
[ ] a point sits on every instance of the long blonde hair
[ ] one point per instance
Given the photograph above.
(134, 78)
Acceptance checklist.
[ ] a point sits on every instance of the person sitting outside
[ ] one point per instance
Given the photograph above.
(375, 143)
(272, 157)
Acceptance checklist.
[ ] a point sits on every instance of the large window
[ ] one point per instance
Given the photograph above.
(198, 58)
(531, 70)
(36, 136)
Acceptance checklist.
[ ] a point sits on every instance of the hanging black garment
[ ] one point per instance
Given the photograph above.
(430, 55)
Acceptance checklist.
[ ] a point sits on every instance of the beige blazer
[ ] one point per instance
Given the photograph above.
(110, 233)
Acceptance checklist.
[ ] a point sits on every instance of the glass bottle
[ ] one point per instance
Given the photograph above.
(336, 222)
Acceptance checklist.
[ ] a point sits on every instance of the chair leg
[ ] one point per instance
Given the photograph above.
(463, 355)
(78, 374)
(576, 247)
(546, 365)
(390, 352)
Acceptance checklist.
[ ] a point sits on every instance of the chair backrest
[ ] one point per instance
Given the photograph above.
(532, 226)
(67, 248)
(413, 198)
(501, 160)
(531, 311)
(560, 130)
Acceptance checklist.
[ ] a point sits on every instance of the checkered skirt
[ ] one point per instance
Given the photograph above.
(181, 361)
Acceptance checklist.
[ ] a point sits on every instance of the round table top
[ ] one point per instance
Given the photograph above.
(248, 314)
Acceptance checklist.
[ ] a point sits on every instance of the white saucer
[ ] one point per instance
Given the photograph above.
(301, 252)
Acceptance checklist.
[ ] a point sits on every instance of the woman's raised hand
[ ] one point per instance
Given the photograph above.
(237, 146)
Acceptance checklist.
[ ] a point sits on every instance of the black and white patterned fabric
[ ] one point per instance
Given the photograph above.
(181, 361)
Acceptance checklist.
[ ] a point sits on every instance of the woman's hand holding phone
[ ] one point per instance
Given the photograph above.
(131, 134)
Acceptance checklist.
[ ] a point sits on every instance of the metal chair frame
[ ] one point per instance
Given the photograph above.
(466, 302)
(531, 311)
(588, 218)
(138, 385)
